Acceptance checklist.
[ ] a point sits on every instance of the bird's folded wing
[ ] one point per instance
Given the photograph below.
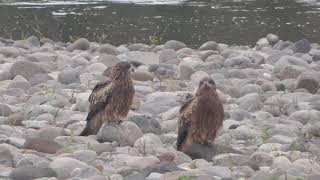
(183, 123)
(101, 92)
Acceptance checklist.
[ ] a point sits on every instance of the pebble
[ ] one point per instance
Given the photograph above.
(270, 95)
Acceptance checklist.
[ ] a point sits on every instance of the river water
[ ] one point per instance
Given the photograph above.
(155, 21)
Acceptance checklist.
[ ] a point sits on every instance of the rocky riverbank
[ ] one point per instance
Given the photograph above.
(270, 92)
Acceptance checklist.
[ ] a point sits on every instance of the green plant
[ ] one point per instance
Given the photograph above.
(184, 177)
(265, 135)
(226, 140)
(154, 40)
(36, 28)
(64, 151)
(24, 36)
(73, 38)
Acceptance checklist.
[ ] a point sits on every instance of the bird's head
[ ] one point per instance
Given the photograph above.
(122, 70)
(206, 84)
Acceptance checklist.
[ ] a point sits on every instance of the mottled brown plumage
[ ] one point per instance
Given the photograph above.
(111, 99)
(201, 117)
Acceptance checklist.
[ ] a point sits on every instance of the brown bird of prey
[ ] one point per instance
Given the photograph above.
(110, 100)
(200, 117)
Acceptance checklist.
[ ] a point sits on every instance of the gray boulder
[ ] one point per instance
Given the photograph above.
(185, 71)
(302, 46)
(63, 166)
(26, 69)
(108, 59)
(146, 123)
(239, 62)
(309, 81)
(69, 76)
(42, 145)
(5, 110)
(81, 44)
(272, 38)
(168, 56)
(173, 44)
(250, 102)
(108, 49)
(39, 78)
(210, 45)
(286, 60)
(33, 41)
(30, 173)
(126, 133)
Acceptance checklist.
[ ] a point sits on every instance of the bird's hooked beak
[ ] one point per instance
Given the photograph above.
(132, 69)
(206, 84)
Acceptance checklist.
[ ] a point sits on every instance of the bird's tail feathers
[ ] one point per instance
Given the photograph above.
(89, 129)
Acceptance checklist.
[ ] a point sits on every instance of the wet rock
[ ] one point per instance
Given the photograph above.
(81, 44)
(30, 173)
(173, 44)
(42, 145)
(69, 76)
(146, 123)
(26, 69)
(126, 133)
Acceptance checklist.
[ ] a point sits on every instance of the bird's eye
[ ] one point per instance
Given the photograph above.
(201, 82)
(211, 81)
